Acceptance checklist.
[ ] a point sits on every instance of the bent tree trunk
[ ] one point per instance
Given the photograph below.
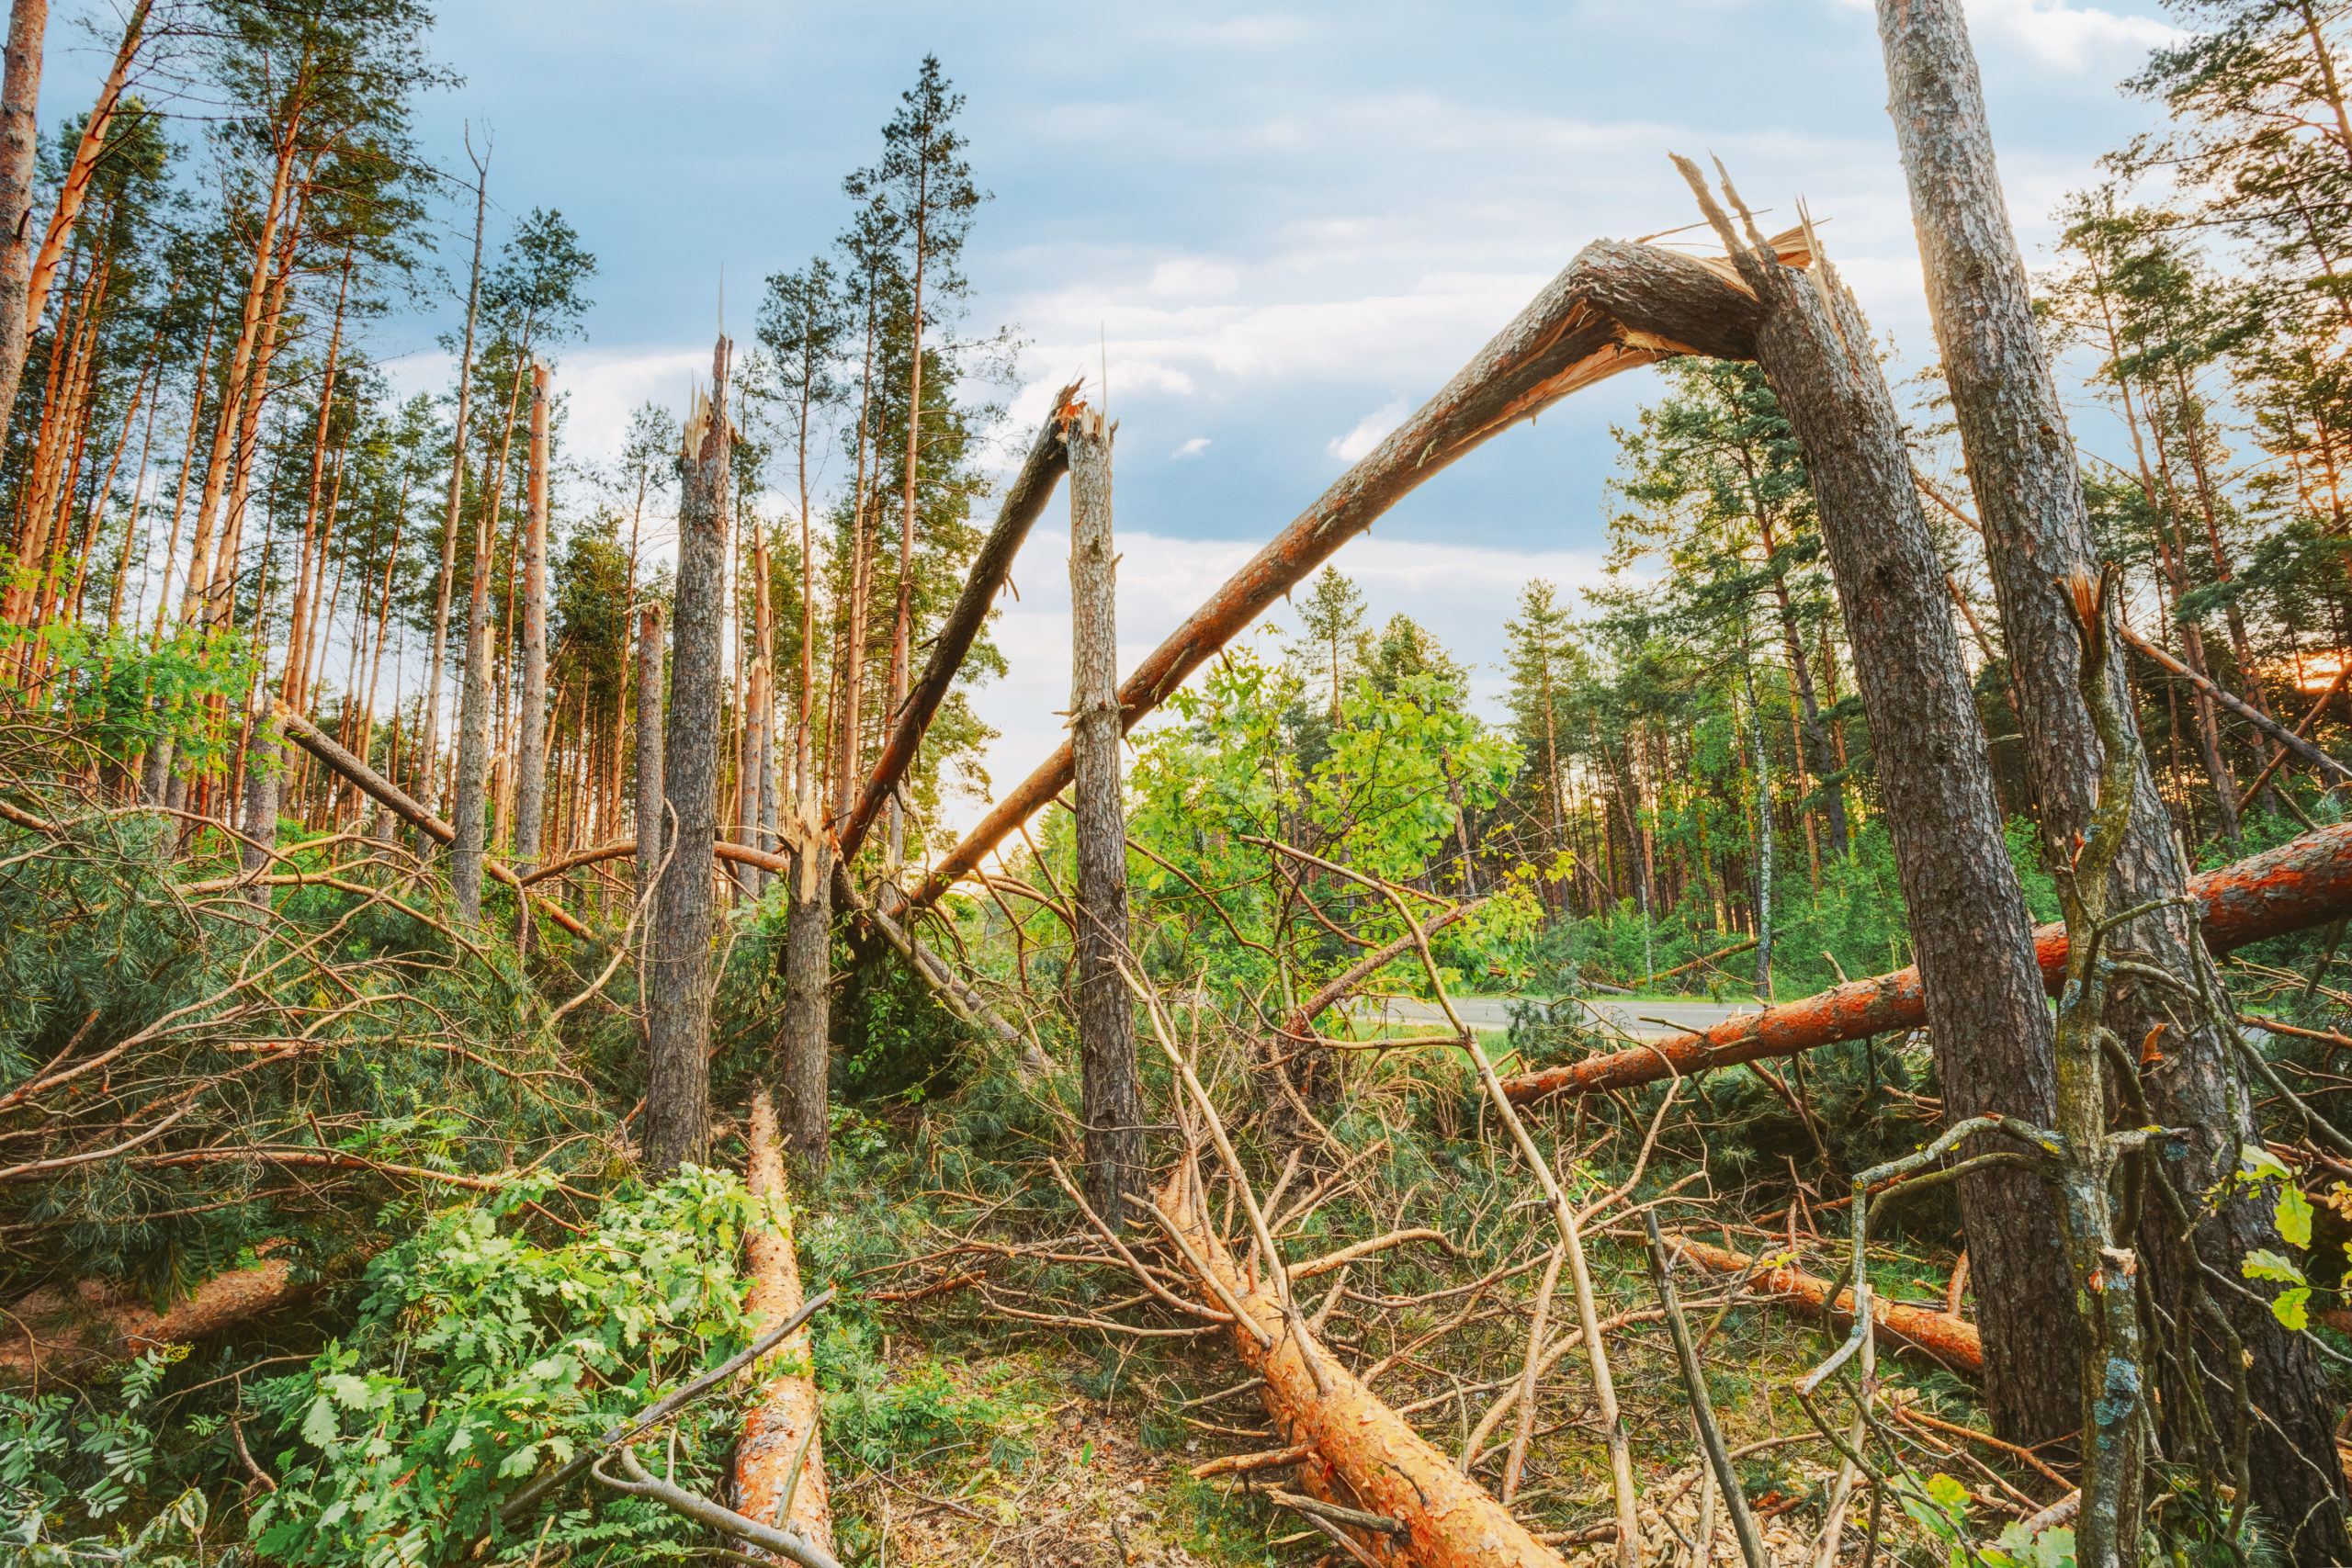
(2023, 470)
(677, 1091)
(1969, 922)
(1110, 1090)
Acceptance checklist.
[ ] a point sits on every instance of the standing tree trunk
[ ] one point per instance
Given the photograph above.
(19, 150)
(1763, 835)
(677, 1019)
(2022, 467)
(1111, 1098)
(808, 931)
(650, 820)
(531, 764)
(1970, 927)
(468, 802)
(429, 748)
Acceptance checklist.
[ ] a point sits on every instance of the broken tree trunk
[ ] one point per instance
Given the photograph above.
(782, 1428)
(2293, 888)
(2025, 472)
(1364, 1454)
(1111, 1094)
(1973, 934)
(677, 1022)
(1952, 1341)
(50, 1333)
(381, 790)
(531, 761)
(2291, 740)
(429, 746)
(1615, 308)
(1025, 502)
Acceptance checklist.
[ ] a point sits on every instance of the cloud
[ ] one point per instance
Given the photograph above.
(1189, 276)
(2058, 33)
(2061, 35)
(1193, 448)
(1368, 431)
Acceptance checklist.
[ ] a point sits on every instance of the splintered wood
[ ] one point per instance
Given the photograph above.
(1362, 1454)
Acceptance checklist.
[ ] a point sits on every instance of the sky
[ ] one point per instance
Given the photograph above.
(1277, 231)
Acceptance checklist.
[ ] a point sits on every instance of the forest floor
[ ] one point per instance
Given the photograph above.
(1062, 1476)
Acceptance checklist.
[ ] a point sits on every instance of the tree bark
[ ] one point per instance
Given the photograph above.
(2300, 885)
(76, 187)
(531, 764)
(677, 1094)
(788, 1412)
(2022, 466)
(19, 151)
(429, 745)
(1110, 1088)
(1970, 927)
(468, 797)
(1024, 500)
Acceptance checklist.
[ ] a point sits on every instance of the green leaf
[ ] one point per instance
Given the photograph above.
(350, 1392)
(2294, 1215)
(2293, 1307)
(319, 1426)
(1949, 1496)
(2256, 1163)
(2264, 1264)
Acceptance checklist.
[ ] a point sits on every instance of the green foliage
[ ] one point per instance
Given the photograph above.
(481, 1355)
(1379, 799)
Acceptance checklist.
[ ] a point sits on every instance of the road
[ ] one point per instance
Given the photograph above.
(1624, 1013)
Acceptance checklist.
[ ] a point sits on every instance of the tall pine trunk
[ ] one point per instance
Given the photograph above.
(530, 766)
(649, 815)
(1111, 1097)
(2022, 466)
(804, 1044)
(1970, 930)
(20, 151)
(429, 743)
(677, 1093)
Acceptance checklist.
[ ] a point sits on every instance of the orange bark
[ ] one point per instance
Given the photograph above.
(2295, 886)
(1948, 1340)
(1363, 1455)
(51, 1332)
(788, 1409)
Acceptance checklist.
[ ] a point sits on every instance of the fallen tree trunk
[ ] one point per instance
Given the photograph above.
(784, 1422)
(1950, 1341)
(2279, 733)
(385, 793)
(2301, 884)
(1614, 307)
(51, 1332)
(1363, 1454)
(1023, 501)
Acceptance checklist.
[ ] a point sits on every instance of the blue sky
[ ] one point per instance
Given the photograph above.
(1282, 228)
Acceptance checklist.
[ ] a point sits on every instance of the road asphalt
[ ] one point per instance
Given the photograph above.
(1634, 1017)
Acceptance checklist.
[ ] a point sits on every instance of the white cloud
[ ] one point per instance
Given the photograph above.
(2063, 35)
(1189, 276)
(1193, 448)
(1369, 430)
(2059, 33)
